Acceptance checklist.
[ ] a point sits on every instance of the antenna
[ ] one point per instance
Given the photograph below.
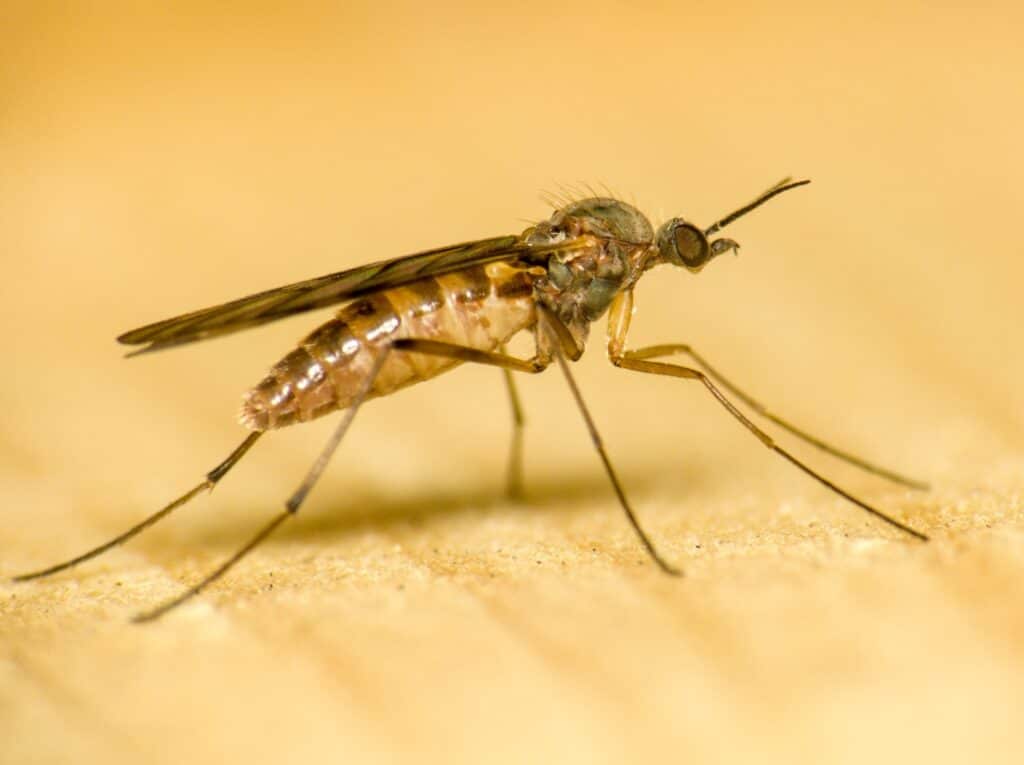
(784, 185)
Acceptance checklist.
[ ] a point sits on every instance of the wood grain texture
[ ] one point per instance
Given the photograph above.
(155, 163)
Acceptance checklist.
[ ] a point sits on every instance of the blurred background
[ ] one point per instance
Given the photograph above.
(158, 158)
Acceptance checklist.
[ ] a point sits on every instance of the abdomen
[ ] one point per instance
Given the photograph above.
(480, 307)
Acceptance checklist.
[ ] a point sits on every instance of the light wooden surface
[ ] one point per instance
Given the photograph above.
(155, 162)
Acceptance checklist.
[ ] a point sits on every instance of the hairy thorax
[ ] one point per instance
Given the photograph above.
(613, 243)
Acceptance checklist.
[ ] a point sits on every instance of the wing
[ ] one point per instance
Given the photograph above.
(326, 290)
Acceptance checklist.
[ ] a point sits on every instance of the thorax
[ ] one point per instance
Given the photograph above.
(607, 246)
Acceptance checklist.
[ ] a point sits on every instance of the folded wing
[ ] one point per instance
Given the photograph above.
(326, 290)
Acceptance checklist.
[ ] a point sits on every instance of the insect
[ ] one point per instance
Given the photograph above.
(407, 320)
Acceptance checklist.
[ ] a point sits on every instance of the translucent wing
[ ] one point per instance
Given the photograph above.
(323, 291)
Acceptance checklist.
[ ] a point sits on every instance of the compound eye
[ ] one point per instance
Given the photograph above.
(684, 244)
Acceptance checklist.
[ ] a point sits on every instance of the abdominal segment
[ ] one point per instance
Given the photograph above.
(480, 307)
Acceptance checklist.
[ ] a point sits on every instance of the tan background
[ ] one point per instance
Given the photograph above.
(156, 161)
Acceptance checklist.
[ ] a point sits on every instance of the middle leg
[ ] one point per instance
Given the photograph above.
(514, 481)
(564, 346)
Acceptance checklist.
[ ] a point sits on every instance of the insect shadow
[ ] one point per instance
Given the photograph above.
(370, 510)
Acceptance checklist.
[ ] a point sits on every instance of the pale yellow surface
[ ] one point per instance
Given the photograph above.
(153, 162)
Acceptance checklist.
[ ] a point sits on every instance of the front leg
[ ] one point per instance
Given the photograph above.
(638, 361)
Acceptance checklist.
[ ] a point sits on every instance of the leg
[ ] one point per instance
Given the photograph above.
(514, 485)
(565, 346)
(291, 506)
(656, 351)
(206, 485)
(508, 364)
(553, 334)
(619, 315)
(472, 355)
(626, 361)
(430, 347)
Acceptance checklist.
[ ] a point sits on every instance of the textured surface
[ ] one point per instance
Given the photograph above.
(155, 164)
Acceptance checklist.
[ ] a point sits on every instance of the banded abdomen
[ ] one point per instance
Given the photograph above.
(480, 307)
